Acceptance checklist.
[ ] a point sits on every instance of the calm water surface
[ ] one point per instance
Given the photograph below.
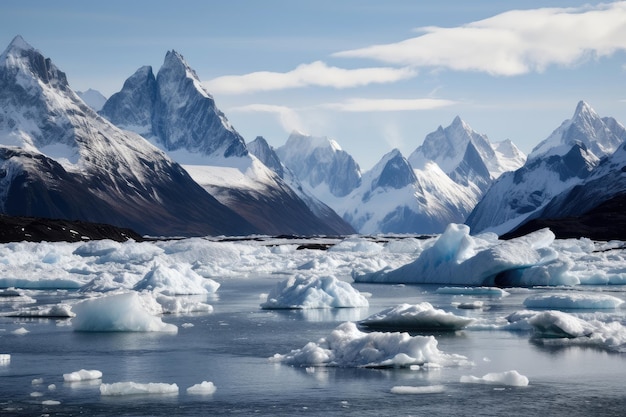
(231, 347)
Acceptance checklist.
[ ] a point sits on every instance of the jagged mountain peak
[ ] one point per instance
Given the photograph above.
(446, 146)
(394, 171)
(174, 111)
(320, 161)
(21, 57)
(16, 46)
(600, 136)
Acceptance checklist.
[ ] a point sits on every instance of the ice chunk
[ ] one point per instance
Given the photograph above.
(422, 316)
(179, 279)
(134, 388)
(508, 378)
(20, 331)
(348, 347)
(490, 291)
(572, 300)
(560, 324)
(82, 375)
(61, 310)
(50, 402)
(5, 359)
(117, 313)
(557, 328)
(182, 304)
(428, 389)
(300, 292)
(204, 388)
(459, 259)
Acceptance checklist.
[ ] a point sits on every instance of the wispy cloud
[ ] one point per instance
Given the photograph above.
(287, 117)
(316, 73)
(511, 43)
(387, 105)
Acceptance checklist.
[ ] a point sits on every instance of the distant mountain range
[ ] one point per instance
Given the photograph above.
(160, 157)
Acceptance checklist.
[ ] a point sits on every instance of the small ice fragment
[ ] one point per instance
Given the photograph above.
(204, 388)
(50, 402)
(508, 378)
(37, 381)
(429, 389)
(82, 375)
(134, 388)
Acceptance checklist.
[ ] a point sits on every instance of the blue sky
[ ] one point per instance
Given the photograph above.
(372, 75)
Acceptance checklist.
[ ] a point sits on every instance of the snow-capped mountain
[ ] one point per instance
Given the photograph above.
(176, 113)
(466, 156)
(261, 149)
(321, 165)
(440, 183)
(93, 98)
(60, 159)
(567, 158)
(396, 198)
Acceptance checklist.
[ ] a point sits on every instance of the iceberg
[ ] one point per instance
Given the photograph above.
(302, 292)
(422, 316)
(117, 313)
(347, 346)
(459, 259)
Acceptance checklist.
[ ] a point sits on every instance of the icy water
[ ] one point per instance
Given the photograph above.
(231, 346)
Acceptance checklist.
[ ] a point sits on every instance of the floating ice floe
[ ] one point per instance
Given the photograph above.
(558, 328)
(421, 316)
(55, 311)
(428, 389)
(117, 313)
(82, 375)
(572, 300)
(5, 359)
(134, 388)
(490, 291)
(301, 292)
(347, 346)
(204, 388)
(508, 378)
(460, 259)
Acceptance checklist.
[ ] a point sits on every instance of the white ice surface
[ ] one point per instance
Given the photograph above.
(100, 268)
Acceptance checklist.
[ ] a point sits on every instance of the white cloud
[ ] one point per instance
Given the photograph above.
(316, 73)
(380, 105)
(511, 43)
(288, 118)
